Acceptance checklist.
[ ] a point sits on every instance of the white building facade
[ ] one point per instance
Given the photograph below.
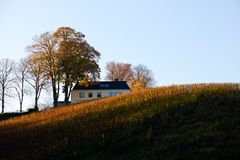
(97, 90)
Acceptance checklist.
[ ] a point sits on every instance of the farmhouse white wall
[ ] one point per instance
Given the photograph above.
(75, 98)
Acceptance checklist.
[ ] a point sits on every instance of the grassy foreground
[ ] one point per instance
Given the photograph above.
(177, 122)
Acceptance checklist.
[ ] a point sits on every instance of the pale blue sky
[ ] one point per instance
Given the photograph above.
(181, 41)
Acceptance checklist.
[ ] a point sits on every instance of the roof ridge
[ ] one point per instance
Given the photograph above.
(106, 85)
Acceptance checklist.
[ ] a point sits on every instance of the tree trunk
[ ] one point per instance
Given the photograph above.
(3, 100)
(68, 93)
(3, 104)
(2, 107)
(36, 102)
(55, 100)
(55, 96)
(67, 89)
(66, 98)
(20, 107)
(22, 94)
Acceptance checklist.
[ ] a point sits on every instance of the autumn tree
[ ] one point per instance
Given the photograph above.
(36, 77)
(6, 80)
(66, 58)
(44, 47)
(20, 73)
(120, 71)
(77, 59)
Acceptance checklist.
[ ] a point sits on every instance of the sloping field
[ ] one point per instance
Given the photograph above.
(178, 122)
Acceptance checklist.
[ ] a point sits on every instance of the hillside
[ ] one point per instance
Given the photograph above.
(178, 122)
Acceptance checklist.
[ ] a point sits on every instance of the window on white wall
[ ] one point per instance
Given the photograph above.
(99, 94)
(81, 95)
(90, 95)
(113, 93)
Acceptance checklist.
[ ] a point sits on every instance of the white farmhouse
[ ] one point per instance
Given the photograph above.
(98, 90)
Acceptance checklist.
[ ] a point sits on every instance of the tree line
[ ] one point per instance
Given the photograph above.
(61, 58)
(55, 58)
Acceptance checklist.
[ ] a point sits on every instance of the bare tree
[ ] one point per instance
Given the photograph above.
(36, 77)
(120, 71)
(6, 80)
(21, 72)
(142, 76)
(137, 77)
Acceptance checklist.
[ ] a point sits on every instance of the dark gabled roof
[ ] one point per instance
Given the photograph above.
(103, 85)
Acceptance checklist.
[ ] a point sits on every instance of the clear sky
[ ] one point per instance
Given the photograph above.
(181, 41)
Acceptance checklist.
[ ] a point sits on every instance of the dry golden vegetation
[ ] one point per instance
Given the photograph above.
(144, 118)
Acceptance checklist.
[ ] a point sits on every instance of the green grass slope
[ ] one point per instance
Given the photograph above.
(177, 122)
